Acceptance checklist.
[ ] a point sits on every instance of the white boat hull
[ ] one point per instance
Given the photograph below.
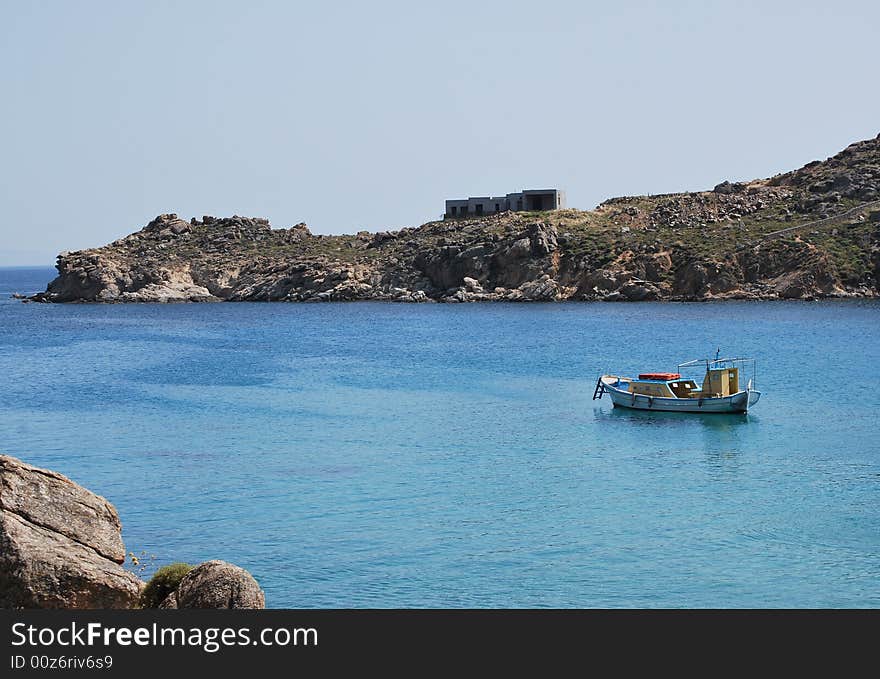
(735, 403)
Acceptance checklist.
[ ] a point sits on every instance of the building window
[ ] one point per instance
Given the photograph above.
(497, 207)
(464, 209)
(519, 203)
(479, 208)
(453, 210)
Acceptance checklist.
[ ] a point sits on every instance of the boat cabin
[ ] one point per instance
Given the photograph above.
(718, 382)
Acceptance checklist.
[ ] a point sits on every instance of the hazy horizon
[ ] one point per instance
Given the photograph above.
(352, 117)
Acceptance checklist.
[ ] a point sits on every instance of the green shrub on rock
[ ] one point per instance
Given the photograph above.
(164, 581)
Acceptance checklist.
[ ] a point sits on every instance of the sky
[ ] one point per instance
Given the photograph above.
(368, 115)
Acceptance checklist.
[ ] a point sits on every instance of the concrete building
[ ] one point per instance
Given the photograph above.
(531, 200)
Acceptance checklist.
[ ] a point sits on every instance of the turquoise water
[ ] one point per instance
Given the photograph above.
(384, 455)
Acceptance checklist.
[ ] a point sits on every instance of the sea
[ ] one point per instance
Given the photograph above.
(382, 455)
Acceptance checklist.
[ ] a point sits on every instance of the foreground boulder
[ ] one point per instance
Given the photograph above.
(60, 544)
(217, 584)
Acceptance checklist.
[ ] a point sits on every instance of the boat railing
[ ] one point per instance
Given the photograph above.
(715, 363)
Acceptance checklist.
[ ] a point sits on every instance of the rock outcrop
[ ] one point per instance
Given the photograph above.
(814, 232)
(60, 544)
(61, 547)
(216, 584)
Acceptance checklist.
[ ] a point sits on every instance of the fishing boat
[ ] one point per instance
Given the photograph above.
(719, 392)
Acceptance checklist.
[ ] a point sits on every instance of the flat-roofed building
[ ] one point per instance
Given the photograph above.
(535, 200)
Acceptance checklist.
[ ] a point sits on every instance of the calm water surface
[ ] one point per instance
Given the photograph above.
(383, 455)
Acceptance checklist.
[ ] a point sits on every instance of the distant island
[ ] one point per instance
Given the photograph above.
(807, 234)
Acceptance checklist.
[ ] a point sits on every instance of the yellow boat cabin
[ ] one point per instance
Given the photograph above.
(717, 383)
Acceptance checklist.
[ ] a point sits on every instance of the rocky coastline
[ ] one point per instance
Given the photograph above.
(61, 547)
(807, 234)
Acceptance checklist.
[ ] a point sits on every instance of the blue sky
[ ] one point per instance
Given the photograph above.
(354, 116)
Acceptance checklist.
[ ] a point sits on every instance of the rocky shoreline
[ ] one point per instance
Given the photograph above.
(61, 547)
(807, 234)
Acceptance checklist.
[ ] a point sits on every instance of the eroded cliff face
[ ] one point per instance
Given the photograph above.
(811, 233)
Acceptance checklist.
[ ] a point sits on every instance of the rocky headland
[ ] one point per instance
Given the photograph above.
(810, 233)
(61, 547)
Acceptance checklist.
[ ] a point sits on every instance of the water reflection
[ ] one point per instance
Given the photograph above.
(653, 418)
(719, 439)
